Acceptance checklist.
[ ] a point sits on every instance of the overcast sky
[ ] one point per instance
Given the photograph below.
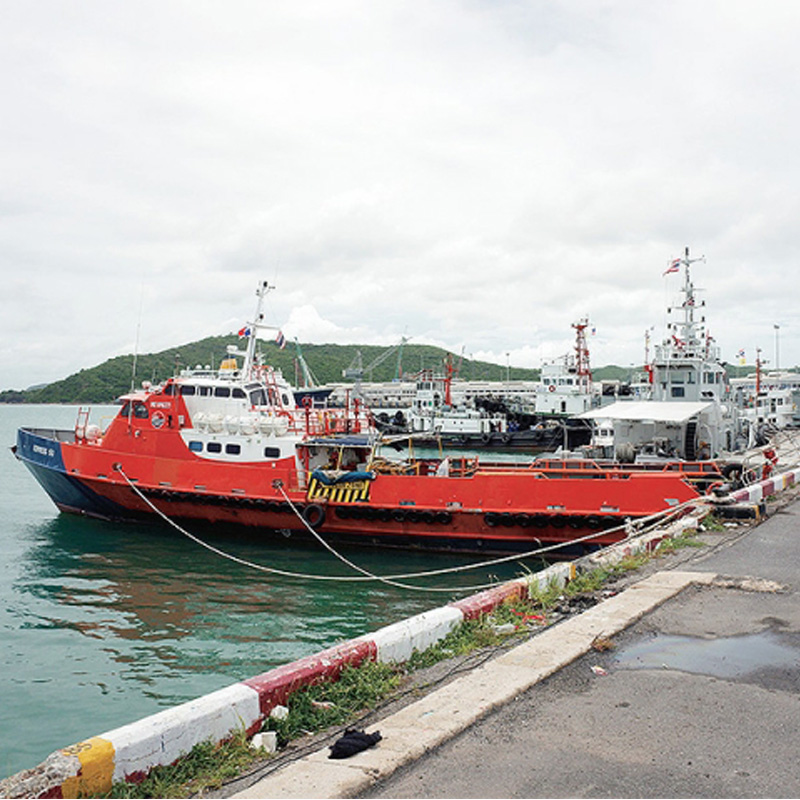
(470, 174)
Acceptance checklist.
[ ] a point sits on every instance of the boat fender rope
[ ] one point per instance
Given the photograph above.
(644, 524)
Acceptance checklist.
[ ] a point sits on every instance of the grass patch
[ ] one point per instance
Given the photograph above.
(317, 707)
(207, 766)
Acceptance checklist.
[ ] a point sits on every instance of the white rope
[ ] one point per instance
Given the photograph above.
(645, 524)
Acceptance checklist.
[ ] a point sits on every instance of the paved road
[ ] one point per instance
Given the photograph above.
(701, 699)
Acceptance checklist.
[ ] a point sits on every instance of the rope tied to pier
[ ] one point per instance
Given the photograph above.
(634, 530)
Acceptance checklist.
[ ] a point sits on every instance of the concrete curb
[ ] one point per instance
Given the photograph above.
(128, 753)
(434, 719)
(758, 491)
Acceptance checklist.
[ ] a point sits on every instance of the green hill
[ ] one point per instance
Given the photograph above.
(105, 382)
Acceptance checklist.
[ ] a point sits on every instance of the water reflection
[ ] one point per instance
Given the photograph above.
(151, 597)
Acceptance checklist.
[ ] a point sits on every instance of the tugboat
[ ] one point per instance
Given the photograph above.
(230, 448)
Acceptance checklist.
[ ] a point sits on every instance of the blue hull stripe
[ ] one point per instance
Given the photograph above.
(42, 456)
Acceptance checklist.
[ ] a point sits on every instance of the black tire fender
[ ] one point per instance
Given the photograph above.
(314, 515)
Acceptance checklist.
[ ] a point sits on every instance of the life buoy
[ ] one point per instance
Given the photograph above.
(158, 419)
(551, 388)
(505, 438)
(492, 519)
(314, 515)
(485, 437)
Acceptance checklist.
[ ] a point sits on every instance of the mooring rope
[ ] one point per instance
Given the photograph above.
(643, 525)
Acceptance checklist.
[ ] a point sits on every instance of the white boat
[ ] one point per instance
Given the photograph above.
(688, 411)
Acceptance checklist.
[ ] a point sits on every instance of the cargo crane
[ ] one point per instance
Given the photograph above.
(357, 370)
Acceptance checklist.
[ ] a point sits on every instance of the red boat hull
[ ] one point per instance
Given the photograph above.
(485, 510)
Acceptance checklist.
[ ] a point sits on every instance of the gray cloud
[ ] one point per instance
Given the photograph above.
(472, 174)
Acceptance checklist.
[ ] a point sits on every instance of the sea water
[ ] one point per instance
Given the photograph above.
(104, 623)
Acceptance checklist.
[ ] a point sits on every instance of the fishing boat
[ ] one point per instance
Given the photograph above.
(230, 448)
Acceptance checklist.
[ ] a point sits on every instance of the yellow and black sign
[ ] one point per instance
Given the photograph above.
(345, 492)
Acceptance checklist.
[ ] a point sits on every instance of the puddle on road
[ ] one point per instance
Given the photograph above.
(725, 657)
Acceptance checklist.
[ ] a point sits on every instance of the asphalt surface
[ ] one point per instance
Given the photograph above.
(699, 698)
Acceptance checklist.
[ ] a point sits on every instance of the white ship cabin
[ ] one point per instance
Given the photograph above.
(232, 419)
(776, 400)
(689, 373)
(564, 392)
(666, 430)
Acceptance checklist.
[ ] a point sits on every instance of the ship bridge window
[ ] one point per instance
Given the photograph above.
(678, 391)
(139, 410)
(237, 392)
(258, 397)
(222, 391)
(188, 389)
(204, 391)
(676, 377)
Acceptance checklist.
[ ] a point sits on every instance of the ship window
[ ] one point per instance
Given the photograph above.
(678, 391)
(196, 447)
(139, 410)
(214, 447)
(205, 391)
(258, 397)
(272, 452)
(233, 449)
(222, 391)
(676, 377)
(239, 393)
(188, 389)
(169, 389)
(125, 410)
(285, 398)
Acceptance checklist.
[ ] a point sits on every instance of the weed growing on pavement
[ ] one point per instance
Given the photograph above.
(317, 707)
(713, 524)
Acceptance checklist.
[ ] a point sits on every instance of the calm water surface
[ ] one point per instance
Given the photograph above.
(105, 623)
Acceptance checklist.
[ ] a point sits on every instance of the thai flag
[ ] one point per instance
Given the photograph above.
(244, 333)
(673, 267)
(740, 354)
(280, 340)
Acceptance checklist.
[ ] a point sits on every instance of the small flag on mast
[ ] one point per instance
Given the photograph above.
(244, 332)
(280, 340)
(673, 267)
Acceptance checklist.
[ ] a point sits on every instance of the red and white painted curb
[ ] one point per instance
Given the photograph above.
(758, 491)
(130, 752)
